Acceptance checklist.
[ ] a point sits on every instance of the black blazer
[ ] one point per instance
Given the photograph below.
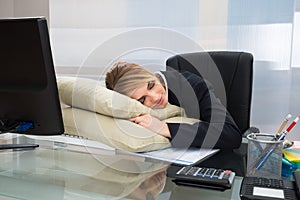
(217, 128)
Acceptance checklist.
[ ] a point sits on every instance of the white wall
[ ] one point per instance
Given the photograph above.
(83, 27)
(24, 8)
(296, 41)
(6, 8)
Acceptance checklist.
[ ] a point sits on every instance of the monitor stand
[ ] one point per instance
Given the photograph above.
(10, 125)
(18, 146)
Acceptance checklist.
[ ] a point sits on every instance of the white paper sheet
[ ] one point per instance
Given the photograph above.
(181, 156)
(170, 155)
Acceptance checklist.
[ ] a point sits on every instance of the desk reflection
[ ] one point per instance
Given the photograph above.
(61, 174)
(151, 187)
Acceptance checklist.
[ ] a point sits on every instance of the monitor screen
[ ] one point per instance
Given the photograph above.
(28, 90)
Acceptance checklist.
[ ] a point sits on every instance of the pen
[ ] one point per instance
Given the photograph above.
(262, 161)
(283, 134)
(281, 137)
(287, 118)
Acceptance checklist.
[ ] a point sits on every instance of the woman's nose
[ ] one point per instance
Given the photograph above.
(153, 96)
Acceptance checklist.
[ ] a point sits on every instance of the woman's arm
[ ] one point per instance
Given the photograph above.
(217, 128)
(199, 135)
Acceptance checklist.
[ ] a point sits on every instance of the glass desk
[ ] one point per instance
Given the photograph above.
(48, 173)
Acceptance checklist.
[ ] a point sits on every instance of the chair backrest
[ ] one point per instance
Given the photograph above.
(231, 75)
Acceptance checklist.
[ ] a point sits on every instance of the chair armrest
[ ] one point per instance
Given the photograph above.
(251, 129)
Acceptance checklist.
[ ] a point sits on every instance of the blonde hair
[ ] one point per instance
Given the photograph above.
(125, 77)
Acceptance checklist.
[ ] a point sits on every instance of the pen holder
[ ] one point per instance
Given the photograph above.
(264, 156)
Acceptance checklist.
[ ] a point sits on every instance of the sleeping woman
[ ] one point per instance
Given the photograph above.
(215, 129)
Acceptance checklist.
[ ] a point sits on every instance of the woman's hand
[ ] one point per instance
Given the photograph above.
(153, 124)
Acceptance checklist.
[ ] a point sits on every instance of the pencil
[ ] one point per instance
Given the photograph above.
(287, 118)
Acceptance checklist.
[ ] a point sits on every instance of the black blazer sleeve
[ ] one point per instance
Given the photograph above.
(217, 128)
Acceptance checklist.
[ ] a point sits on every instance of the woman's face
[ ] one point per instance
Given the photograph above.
(151, 94)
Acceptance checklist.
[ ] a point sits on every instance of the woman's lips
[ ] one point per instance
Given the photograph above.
(159, 103)
(160, 100)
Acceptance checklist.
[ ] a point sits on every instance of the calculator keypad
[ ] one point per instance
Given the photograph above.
(205, 172)
(206, 175)
(268, 182)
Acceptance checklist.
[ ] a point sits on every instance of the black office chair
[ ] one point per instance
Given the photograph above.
(231, 75)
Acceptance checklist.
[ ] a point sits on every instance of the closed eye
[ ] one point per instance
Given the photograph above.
(142, 99)
(150, 85)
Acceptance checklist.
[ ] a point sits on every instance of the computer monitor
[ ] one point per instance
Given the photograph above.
(28, 89)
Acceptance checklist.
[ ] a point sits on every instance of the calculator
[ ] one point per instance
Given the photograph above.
(204, 177)
(267, 189)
